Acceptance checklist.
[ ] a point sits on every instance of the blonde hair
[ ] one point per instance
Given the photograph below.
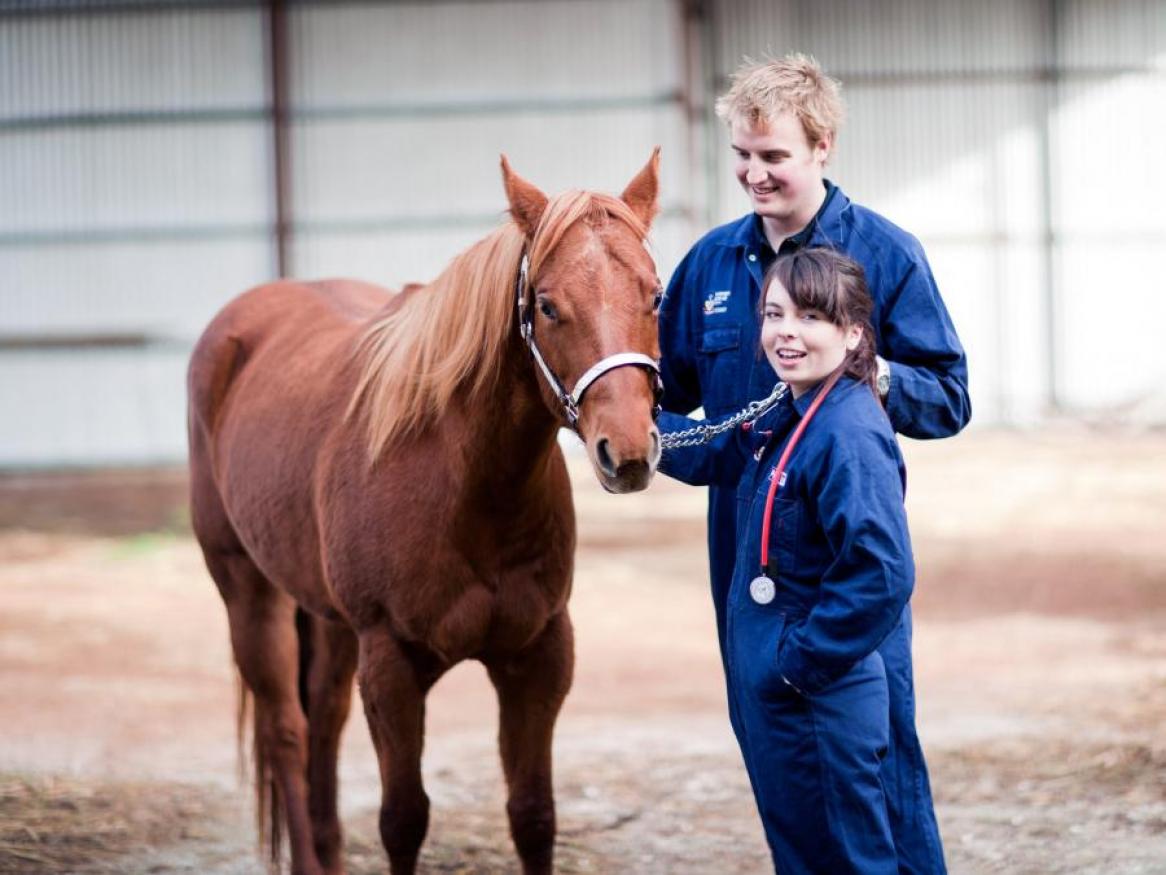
(762, 90)
(450, 337)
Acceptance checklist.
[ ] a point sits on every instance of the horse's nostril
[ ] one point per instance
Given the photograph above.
(603, 456)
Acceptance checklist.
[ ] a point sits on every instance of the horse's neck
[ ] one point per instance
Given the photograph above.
(511, 435)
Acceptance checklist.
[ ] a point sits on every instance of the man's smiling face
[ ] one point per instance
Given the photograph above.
(780, 170)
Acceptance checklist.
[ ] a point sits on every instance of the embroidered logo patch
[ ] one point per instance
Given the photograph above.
(717, 302)
(781, 482)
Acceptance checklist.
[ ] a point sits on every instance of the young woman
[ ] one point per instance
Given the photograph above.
(823, 572)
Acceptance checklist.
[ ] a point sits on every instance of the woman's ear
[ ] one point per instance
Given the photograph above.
(853, 337)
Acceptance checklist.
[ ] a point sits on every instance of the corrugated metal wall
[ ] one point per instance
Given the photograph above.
(1018, 139)
(401, 111)
(1109, 205)
(137, 184)
(134, 199)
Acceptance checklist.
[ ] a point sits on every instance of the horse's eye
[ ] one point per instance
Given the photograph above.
(657, 300)
(547, 309)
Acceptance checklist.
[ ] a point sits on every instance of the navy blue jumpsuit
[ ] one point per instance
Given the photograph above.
(709, 333)
(807, 681)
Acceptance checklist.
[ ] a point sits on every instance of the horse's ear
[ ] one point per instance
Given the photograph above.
(527, 203)
(643, 190)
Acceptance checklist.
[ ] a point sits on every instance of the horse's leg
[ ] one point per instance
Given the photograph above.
(331, 666)
(263, 636)
(393, 690)
(531, 687)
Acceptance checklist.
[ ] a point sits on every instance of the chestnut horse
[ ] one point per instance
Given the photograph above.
(378, 490)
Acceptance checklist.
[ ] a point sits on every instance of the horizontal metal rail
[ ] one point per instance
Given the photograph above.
(87, 341)
(486, 221)
(356, 112)
(1037, 75)
(232, 231)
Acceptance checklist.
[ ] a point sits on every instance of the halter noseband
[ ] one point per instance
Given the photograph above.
(571, 400)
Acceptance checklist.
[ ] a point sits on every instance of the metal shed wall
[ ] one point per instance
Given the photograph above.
(1017, 138)
(138, 189)
(401, 111)
(134, 199)
(1109, 206)
(981, 128)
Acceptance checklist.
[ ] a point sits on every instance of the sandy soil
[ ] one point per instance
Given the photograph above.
(1040, 656)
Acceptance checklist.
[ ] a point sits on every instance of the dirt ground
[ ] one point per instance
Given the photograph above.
(1040, 657)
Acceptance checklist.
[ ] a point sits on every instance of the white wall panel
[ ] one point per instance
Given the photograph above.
(945, 159)
(1113, 307)
(1108, 127)
(887, 37)
(389, 258)
(360, 169)
(1110, 136)
(62, 64)
(1111, 234)
(403, 109)
(424, 53)
(395, 258)
(165, 289)
(995, 297)
(400, 109)
(958, 114)
(156, 176)
(1098, 35)
(943, 137)
(92, 407)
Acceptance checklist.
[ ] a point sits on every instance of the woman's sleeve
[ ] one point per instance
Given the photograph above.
(859, 488)
(719, 462)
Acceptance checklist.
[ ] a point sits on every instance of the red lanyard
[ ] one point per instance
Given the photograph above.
(780, 470)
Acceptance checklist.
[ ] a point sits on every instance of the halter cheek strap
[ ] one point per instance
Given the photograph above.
(571, 400)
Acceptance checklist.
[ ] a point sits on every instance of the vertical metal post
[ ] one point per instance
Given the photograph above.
(694, 35)
(1051, 93)
(710, 18)
(277, 26)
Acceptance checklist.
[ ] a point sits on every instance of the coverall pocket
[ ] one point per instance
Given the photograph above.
(769, 684)
(719, 364)
(783, 533)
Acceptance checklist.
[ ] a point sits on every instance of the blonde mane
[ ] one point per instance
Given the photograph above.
(451, 335)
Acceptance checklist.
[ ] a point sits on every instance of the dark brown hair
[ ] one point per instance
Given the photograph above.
(827, 281)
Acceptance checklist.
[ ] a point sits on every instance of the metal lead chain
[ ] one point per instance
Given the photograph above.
(705, 432)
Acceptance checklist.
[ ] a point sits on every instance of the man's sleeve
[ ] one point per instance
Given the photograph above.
(678, 341)
(928, 397)
(864, 590)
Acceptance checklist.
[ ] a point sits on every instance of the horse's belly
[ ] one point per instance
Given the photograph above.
(455, 616)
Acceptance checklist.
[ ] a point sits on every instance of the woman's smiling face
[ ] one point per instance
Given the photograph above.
(803, 346)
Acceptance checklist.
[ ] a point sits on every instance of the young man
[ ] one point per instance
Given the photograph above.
(783, 117)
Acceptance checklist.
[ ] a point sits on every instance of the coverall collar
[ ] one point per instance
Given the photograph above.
(802, 404)
(822, 230)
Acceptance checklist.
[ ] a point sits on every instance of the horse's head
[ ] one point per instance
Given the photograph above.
(590, 299)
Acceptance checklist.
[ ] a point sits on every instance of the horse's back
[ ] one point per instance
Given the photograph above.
(282, 313)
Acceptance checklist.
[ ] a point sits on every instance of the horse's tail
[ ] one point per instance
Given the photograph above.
(269, 809)
(269, 804)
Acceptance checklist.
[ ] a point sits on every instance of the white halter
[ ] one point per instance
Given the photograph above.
(572, 400)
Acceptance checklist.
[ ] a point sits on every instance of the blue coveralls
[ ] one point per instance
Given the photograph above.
(709, 334)
(811, 709)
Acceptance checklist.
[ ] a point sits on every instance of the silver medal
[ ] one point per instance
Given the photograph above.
(762, 590)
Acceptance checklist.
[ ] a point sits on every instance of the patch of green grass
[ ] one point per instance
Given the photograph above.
(143, 544)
